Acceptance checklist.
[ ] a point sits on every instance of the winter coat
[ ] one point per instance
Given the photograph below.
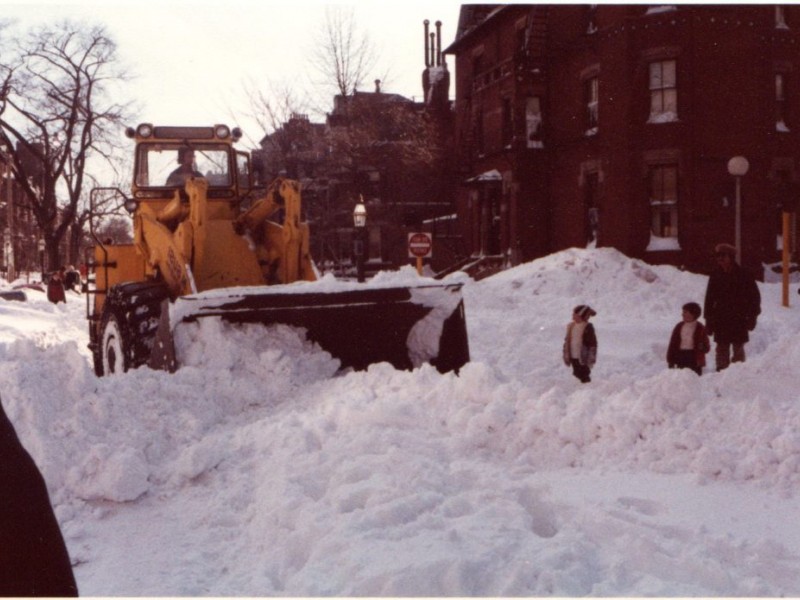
(588, 346)
(732, 305)
(33, 556)
(72, 280)
(701, 345)
(55, 290)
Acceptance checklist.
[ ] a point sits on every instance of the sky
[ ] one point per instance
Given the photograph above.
(259, 469)
(193, 60)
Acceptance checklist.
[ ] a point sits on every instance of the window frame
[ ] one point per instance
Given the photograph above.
(781, 102)
(780, 17)
(663, 89)
(591, 100)
(658, 200)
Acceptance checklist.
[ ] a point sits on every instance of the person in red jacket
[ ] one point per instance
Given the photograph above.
(55, 287)
(689, 344)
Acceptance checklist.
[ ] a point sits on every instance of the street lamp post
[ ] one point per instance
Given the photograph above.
(738, 167)
(359, 247)
(41, 247)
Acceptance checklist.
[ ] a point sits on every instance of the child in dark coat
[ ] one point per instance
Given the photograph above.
(689, 344)
(580, 343)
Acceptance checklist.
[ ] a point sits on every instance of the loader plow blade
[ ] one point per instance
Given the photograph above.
(405, 326)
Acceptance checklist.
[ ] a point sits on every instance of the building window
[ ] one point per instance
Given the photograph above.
(591, 186)
(780, 17)
(780, 102)
(663, 92)
(478, 132)
(657, 9)
(507, 122)
(533, 122)
(591, 19)
(521, 33)
(663, 202)
(591, 96)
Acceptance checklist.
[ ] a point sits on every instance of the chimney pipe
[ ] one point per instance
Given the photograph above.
(438, 43)
(433, 49)
(427, 59)
(377, 86)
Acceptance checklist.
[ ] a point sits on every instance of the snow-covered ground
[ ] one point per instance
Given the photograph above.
(258, 470)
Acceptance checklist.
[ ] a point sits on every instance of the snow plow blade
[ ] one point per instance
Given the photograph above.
(405, 326)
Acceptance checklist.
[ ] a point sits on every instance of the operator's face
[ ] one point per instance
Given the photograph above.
(724, 261)
(187, 158)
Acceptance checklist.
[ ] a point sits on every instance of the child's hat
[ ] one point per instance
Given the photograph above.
(584, 310)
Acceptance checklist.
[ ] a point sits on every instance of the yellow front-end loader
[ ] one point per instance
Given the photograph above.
(199, 252)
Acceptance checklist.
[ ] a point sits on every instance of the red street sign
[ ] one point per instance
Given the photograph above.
(420, 245)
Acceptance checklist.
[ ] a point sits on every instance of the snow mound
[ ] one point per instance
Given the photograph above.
(258, 469)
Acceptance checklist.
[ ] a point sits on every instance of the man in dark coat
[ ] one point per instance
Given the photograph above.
(33, 557)
(732, 306)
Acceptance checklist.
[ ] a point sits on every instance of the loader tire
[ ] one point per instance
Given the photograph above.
(114, 344)
(128, 326)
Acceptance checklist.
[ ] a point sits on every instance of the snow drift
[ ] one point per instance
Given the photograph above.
(261, 469)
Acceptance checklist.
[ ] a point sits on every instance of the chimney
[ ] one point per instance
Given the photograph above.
(377, 86)
(438, 43)
(427, 60)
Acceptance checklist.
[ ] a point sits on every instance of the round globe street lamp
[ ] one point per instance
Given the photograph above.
(359, 247)
(738, 167)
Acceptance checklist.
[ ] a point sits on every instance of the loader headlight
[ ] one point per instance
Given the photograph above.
(222, 131)
(144, 130)
(131, 204)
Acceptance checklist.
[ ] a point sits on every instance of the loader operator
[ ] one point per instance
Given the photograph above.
(185, 169)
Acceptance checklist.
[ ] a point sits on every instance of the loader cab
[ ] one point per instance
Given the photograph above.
(169, 165)
(166, 156)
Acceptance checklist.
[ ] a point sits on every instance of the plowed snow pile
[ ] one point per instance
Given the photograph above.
(258, 469)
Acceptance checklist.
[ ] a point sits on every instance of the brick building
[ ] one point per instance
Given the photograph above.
(379, 147)
(18, 231)
(614, 125)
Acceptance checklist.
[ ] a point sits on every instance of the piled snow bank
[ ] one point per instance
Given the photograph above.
(259, 469)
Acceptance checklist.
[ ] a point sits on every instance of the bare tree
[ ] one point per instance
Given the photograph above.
(282, 112)
(56, 115)
(383, 131)
(343, 55)
(116, 229)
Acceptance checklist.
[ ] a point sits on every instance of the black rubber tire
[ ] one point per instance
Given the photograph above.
(128, 326)
(114, 343)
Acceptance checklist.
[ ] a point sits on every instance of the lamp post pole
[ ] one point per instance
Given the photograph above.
(41, 247)
(360, 222)
(738, 167)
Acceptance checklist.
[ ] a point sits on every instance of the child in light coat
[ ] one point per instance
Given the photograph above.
(689, 344)
(580, 343)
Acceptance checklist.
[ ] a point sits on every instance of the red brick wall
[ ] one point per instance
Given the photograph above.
(726, 57)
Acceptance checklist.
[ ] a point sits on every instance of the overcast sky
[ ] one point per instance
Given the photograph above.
(193, 59)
